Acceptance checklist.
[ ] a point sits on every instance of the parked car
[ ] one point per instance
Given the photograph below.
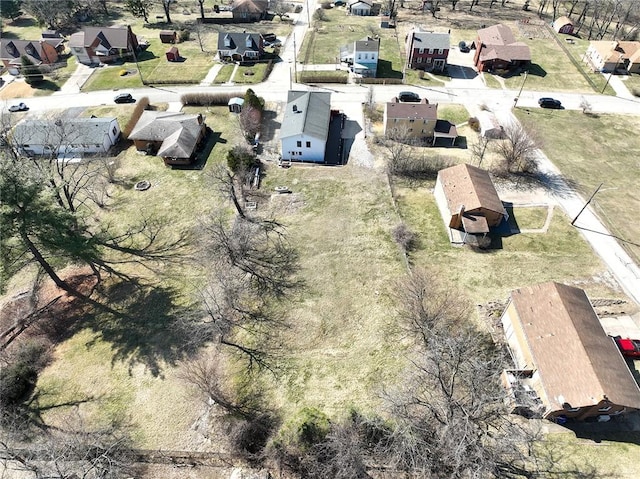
(629, 348)
(18, 107)
(549, 103)
(124, 98)
(464, 48)
(269, 37)
(408, 96)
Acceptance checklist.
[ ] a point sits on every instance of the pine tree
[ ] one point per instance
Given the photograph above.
(30, 71)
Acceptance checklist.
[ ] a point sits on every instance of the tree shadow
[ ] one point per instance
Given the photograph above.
(47, 85)
(145, 330)
(624, 428)
(537, 70)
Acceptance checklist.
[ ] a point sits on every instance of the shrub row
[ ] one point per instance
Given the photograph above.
(172, 82)
(380, 81)
(141, 106)
(322, 77)
(267, 71)
(209, 99)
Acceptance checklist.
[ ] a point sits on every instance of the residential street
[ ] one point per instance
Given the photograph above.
(349, 98)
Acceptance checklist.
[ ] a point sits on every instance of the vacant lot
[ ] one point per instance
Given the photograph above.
(605, 155)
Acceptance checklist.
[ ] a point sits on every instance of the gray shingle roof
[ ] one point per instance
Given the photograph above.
(11, 50)
(238, 42)
(178, 132)
(308, 113)
(433, 40)
(110, 37)
(62, 132)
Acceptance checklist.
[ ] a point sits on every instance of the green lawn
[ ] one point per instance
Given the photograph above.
(224, 75)
(605, 153)
(456, 114)
(250, 74)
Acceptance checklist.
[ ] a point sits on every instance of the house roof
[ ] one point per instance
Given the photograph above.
(445, 129)
(411, 111)
(561, 22)
(250, 6)
(498, 43)
(367, 44)
(238, 42)
(178, 132)
(578, 364)
(351, 3)
(469, 186)
(435, 40)
(614, 51)
(109, 37)
(12, 50)
(307, 113)
(65, 132)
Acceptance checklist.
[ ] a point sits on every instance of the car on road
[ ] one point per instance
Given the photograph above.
(408, 96)
(18, 107)
(549, 103)
(124, 98)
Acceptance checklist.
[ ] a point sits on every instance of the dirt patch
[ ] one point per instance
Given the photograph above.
(16, 89)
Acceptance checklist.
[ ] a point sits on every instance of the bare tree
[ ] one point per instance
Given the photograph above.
(201, 5)
(518, 148)
(166, 6)
(479, 148)
(280, 8)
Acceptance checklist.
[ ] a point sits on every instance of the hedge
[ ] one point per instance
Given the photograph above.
(209, 99)
(141, 106)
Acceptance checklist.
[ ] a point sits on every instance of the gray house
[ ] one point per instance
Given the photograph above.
(241, 47)
(65, 139)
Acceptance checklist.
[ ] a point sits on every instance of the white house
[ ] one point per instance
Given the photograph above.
(363, 56)
(66, 138)
(305, 126)
(360, 7)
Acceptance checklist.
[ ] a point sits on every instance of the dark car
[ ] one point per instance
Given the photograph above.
(18, 107)
(408, 96)
(269, 37)
(124, 98)
(549, 103)
(464, 48)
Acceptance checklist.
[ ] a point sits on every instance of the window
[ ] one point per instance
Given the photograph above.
(604, 409)
(420, 51)
(419, 60)
(430, 51)
(440, 51)
(411, 120)
(428, 60)
(308, 144)
(114, 131)
(366, 56)
(299, 144)
(359, 56)
(299, 153)
(410, 130)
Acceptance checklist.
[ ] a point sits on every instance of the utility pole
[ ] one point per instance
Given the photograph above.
(587, 203)
(515, 102)
(308, 16)
(611, 74)
(295, 59)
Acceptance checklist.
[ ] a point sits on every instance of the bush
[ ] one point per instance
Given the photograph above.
(474, 124)
(319, 15)
(18, 379)
(209, 99)
(405, 238)
(251, 436)
(326, 5)
(184, 35)
(240, 158)
(141, 106)
(322, 77)
(635, 92)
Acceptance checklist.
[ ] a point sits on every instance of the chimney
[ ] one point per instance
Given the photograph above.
(295, 108)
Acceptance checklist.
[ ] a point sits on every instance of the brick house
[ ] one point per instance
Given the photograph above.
(498, 50)
(427, 50)
(95, 45)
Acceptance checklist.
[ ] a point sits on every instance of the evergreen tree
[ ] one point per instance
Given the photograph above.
(10, 9)
(30, 71)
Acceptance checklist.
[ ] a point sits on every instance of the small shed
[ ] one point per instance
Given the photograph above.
(563, 25)
(385, 21)
(168, 36)
(173, 55)
(235, 104)
(490, 127)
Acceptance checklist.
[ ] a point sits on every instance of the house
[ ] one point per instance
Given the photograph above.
(173, 54)
(95, 45)
(240, 47)
(410, 121)
(305, 126)
(360, 7)
(609, 56)
(468, 201)
(498, 50)
(168, 36)
(249, 10)
(490, 126)
(65, 138)
(427, 50)
(43, 53)
(173, 136)
(363, 56)
(565, 365)
(563, 25)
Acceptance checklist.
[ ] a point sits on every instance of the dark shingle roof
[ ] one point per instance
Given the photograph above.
(237, 42)
(178, 132)
(62, 132)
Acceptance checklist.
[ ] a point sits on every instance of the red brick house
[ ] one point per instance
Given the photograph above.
(43, 52)
(427, 50)
(95, 45)
(498, 50)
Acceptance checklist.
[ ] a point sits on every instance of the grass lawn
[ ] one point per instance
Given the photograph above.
(606, 154)
(529, 217)
(632, 82)
(250, 74)
(456, 114)
(224, 75)
(322, 46)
